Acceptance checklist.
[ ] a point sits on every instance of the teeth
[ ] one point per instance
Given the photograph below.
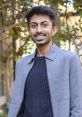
(40, 35)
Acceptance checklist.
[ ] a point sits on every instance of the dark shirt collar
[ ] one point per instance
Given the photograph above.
(51, 55)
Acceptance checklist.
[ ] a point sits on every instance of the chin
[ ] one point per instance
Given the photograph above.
(41, 44)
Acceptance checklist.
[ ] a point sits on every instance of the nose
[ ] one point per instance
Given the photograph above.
(39, 29)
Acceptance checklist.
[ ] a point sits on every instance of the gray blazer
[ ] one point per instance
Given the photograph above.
(65, 82)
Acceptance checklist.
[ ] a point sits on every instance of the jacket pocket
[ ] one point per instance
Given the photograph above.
(63, 108)
(62, 91)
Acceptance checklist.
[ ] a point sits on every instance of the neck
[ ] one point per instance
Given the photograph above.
(43, 49)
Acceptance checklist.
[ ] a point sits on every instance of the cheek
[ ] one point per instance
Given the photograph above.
(49, 32)
(31, 33)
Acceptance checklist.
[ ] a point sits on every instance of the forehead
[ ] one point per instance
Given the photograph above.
(40, 18)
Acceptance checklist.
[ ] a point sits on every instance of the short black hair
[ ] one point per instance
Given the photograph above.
(43, 10)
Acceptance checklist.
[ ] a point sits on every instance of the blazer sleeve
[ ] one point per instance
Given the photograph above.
(15, 98)
(75, 87)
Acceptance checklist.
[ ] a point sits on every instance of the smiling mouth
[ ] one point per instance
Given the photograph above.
(39, 38)
(40, 35)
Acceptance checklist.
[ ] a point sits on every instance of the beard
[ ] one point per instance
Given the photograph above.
(41, 38)
(41, 42)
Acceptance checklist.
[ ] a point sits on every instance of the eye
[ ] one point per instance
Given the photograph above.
(33, 26)
(44, 25)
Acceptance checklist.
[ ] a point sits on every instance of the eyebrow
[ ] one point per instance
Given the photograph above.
(37, 23)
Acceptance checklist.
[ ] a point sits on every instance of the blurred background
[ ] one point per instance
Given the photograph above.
(16, 43)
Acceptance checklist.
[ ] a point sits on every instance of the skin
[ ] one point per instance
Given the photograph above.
(41, 31)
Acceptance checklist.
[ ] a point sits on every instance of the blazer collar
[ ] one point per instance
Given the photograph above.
(51, 55)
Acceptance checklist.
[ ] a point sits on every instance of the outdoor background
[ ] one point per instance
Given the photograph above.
(15, 41)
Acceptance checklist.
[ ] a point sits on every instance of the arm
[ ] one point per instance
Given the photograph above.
(13, 108)
(75, 87)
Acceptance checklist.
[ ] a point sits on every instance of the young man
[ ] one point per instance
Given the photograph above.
(48, 83)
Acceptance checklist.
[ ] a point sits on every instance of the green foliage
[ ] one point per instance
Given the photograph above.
(17, 13)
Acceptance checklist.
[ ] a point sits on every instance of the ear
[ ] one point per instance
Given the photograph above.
(54, 30)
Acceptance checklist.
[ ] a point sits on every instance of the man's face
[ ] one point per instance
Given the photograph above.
(41, 29)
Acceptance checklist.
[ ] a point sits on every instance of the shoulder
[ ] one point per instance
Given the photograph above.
(68, 54)
(64, 53)
(25, 59)
(72, 57)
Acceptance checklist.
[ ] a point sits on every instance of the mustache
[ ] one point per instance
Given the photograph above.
(40, 34)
